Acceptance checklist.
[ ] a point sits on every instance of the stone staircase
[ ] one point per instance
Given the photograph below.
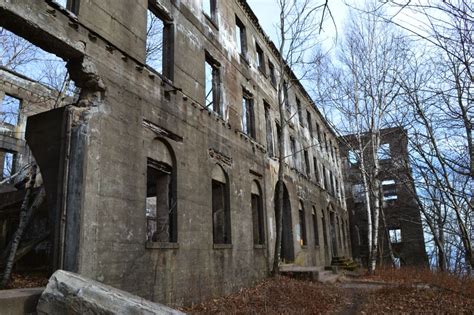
(344, 263)
(313, 273)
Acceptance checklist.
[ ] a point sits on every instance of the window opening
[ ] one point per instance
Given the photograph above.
(159, 42)
(310, 124)
(303, 240)
(241, 36)
(8, 166)
(278, 137)
(318, 131)
(10, 110)
(326, 184)
(293, 151)
(389, 189)
(71, 5)
(209, 8)
(353, 156)
(154, 41)
(315, 227)
(383, 152)
(160, 203)
(306, 163)
(271, 68)
(300, 111)
(326, 143)
(220, 207)
(316, 171)
(268, 127)
(395, 236)
(248, 115)
(212, 85)
(358, 193)
(257, 215)
(285, 96)
(260, 58)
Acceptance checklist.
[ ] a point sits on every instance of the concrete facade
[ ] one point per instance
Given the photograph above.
(128, 114)
(403, 228)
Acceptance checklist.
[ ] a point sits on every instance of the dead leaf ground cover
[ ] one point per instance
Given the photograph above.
(279, 295)
(408, 291)
(27, 280)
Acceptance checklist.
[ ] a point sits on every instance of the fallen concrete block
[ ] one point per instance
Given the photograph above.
(70, 293)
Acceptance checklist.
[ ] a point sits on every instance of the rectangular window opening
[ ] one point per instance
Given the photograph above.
(395, 235)
(257, 216)
(271, 68)
(8, 165)
(268, 129)
(306, 163)
(159, 42)
(353, 156)
(70, 5)
(241, 37)
(316, 171)
(220, 213)
(300, 111)
(248, 115)
(383, 152)
(260, 59)
(160, 203)
(212, 85)
(10, 110)
(285, 96)
(310, 124)
(303, 239)
(358, 193)
(315, 228)
(293, 152)
(389, 190)
(278, 137)
(209, 8)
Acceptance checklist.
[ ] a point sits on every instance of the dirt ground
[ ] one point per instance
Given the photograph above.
(401, 291)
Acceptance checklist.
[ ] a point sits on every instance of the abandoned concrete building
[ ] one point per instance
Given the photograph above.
(403, 227)
(161, 175)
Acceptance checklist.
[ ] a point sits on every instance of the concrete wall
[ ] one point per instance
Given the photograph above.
(127, 107)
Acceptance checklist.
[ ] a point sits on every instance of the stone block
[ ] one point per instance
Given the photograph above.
(70, 293)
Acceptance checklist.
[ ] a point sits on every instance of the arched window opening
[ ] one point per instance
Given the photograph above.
(257, 215)
(161, 201)
(220, 207)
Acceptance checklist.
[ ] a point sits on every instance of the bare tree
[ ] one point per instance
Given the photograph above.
(440, 96)
(297, 26)
(361, 90)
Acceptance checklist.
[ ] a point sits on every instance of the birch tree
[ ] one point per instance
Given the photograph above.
(361, 90)
(298, 26)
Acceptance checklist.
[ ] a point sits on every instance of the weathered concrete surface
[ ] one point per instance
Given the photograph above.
(129, 113)
(70, 293)
(19, 301)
